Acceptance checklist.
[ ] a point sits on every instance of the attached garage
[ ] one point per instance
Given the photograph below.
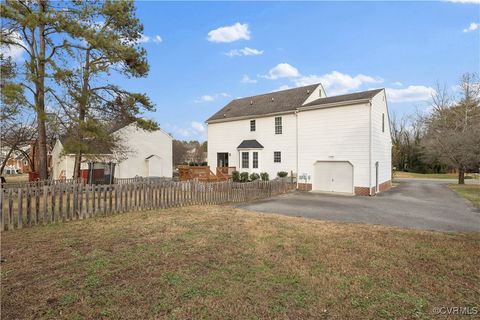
(333, 176)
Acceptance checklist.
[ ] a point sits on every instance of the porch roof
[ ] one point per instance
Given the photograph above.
(250, 144)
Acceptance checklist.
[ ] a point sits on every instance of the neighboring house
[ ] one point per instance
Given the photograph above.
(333, 144)
(19, 161)
(149, 155)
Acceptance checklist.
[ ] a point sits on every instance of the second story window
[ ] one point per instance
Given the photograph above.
(245, 160)
(252, 125)
(383, 122)
(278, 125)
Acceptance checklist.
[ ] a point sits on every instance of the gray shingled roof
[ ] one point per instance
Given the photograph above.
(250, 144)
(286, 100)
(344, 97)
(283, 101)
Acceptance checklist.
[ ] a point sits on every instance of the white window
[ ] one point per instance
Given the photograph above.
(255, 160)
(277, 156)
(278, 125)
(383, 122)
(245, 160)
(252, 125)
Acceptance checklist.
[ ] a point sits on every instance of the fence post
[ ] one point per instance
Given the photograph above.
(20, 208)
(29, 207)
(104, 200)
(45, 204)
(53, 203)
(60, 202)
(2, 213)
(87, 200)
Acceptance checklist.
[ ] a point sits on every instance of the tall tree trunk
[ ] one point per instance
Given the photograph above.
(76, 166)
(40, 100)
(461, 175)
(82, 111)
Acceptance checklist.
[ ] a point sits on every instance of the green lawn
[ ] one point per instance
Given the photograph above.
(468, 191)
(402, 174)
(217, 262)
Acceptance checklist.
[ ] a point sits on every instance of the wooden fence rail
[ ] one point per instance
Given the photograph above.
(30, 206)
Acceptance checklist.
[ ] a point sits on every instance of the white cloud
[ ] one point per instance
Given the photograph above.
(409, 94)
(336, 83)
(282, 70)
(146, 39)
(244, 52)
(197, 126)
(14, 51)
(284, 87)
(210, 98)
(465, 1)
(195, 130)
(205, 98)
(246, 79)
(230, 33)
(398, 83)
(473, 26)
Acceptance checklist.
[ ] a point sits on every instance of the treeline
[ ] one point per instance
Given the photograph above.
(191, 152)
(445, 137)
(71, 52)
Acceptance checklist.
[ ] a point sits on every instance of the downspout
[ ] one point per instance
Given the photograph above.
(296, 145)
(370, 149)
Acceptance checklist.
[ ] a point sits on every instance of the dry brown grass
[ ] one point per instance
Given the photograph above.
(223, 263)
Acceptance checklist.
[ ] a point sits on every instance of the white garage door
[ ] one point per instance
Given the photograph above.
(333, 176)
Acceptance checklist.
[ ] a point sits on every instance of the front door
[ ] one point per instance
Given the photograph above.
(222, 159)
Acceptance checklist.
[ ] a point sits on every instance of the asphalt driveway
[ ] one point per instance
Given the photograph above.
(422, 204)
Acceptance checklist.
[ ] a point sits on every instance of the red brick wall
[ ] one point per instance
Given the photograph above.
(385, 186)
(304, 187)
(361, 191)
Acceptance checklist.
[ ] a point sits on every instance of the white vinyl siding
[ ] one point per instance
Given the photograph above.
(381, 141)
(335, 134)
(227, 136)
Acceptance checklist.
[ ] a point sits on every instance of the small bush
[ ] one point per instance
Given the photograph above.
(236, 176)
(264, 176)
(254, 176)
(203, 164)
(244, 177)
(282, 174)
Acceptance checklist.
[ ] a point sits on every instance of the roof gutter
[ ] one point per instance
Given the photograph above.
(251, 116)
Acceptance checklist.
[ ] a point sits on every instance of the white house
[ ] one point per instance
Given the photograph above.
(149, 154)
(333, 144)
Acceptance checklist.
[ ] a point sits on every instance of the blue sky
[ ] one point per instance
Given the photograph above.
(203, 54)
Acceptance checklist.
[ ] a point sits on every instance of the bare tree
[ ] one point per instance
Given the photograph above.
(452, 128)
(179, 152)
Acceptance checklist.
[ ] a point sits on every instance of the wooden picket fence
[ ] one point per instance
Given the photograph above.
(27, 206)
